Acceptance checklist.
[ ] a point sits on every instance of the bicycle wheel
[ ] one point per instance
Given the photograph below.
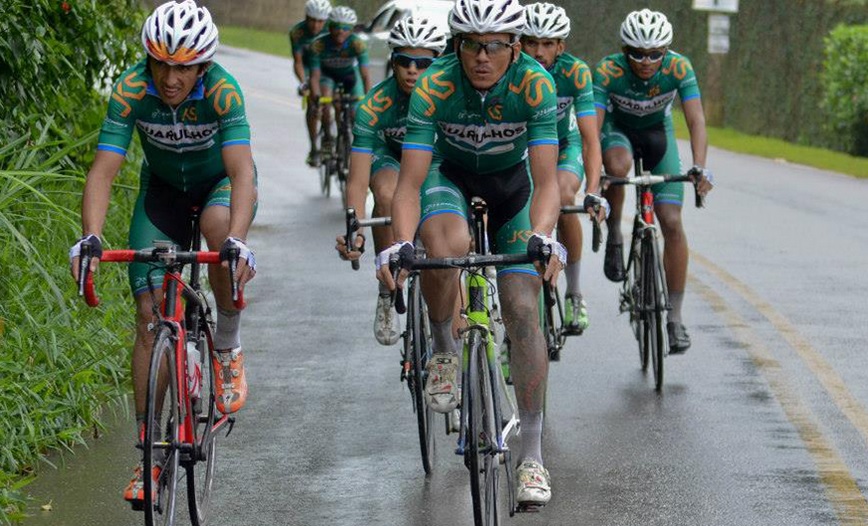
(479, 453)
(200, 469)
(633, 295)
(161, 433)
(417, 349)
(652, 309)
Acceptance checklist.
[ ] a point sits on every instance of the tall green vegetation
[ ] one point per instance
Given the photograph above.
(59, 363)
(845, 83)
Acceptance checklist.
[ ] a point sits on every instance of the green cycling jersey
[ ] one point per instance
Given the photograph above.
(483, 132)
(183, 144)
(635, 103)
(338, 61)
(381, 119)
(575, 91)
(300, 39)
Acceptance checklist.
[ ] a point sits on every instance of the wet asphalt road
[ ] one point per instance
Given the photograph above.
(762, 422)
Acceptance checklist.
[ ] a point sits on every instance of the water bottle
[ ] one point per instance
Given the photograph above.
(194, 370)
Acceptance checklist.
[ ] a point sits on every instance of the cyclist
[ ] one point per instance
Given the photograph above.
(300, 36)
(190, 117)
(379, 129)
(340, 57)
(634, 91)
(494, 112)
(547, 27)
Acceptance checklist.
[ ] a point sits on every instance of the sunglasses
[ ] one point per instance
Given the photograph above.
(494, 47)
(404, 61)
(637, 56)
(340, 27)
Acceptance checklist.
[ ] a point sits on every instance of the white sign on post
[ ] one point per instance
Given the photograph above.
(718, 33)
(720, 6)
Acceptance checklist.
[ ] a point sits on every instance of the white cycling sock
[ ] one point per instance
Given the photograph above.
(676, 299)
(531, 435)
(228, 333)
(572, 271)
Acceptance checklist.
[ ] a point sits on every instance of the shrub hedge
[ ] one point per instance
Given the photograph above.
(845, 87)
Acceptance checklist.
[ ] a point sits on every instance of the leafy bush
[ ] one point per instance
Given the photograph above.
(60, 363)
(845, 96)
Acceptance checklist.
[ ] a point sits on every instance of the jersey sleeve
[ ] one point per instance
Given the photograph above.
(295, 35)
(682, 70)
(361, 51)
(120, 121)
(584, 98)
(366, 128)
(224, 96)
(422, 115)
(541, 101)
(604, 74)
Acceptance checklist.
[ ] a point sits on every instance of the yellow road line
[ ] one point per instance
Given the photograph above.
(825, 373)
(840, 487)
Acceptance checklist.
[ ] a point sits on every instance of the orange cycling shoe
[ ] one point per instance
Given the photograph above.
(230, 380)
(135, 490)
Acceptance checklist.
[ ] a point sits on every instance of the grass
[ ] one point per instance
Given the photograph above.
(277, 43)
(271, 42)
(729, 139)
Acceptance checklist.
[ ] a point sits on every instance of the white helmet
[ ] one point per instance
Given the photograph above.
(317, 9)
(417, 32)
(180, 33)
(546, 20)
(343, 15)
(646, 29)
(486, 16)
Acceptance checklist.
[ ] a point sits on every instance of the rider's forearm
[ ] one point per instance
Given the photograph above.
(242, 197)
(97, 191)
(545, 201)
(405, 212)
(592, 155)
(358, 181)
(366, 77)
(298, 67)
(695, 117)
(314, 82)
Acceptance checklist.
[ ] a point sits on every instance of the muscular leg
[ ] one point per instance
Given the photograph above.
(569, 227)
(443, 235)
(675, 254)
(312, 122)
(529, 362)
(141, 361)
(383, 185)
(617, 162)
(326, 113)
(215, 228)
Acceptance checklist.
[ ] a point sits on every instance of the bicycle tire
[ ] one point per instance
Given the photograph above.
(652, 310)
(162, 432)
(633, 286)
(417, 349)
(200, 470)
(481, 461)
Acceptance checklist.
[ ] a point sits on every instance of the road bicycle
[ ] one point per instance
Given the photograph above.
(182, 423)
(335, 154)
(416, 343)
(643, 292)
(551, 308)
(488, 416)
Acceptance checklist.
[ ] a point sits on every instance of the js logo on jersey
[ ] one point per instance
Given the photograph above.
(580, 74)
(129, 89)
(433, 86)
(653, 92)
(378, 103)
(520, 235)
(225, 97)
(679, 67)
(533, 85)
(609, 71)
(189, 114)
(495, 112)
